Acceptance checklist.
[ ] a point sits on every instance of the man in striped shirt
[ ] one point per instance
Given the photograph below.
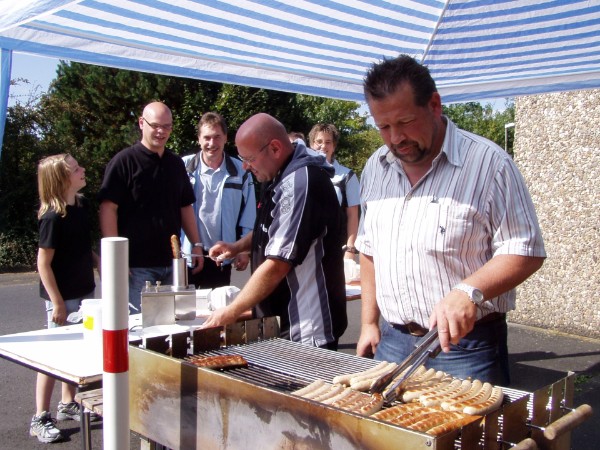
(447, 233)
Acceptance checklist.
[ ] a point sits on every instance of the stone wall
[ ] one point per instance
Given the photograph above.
(557, 149)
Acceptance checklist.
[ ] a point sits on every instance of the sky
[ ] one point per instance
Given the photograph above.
(37, 70)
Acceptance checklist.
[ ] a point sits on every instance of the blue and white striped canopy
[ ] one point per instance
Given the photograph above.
(474, 48)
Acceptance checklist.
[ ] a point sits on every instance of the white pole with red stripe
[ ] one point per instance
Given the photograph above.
(115, 325)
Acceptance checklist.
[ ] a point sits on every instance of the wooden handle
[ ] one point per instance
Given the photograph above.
(175, 247)
(568, 422)
(525, 444)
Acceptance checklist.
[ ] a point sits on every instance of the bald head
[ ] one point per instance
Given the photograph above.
(263, 144)
(261, 127)
(156, 124)
(156, 109)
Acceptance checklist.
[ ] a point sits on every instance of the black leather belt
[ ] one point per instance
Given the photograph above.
(414, 329)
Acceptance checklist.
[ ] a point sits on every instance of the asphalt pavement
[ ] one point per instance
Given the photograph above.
(537, 358)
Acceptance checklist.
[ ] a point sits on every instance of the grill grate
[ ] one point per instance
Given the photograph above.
(297, 360)
(287, 366)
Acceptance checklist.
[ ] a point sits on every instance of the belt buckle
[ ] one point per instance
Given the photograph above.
(414, 329)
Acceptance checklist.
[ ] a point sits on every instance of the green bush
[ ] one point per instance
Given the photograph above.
(18, 250)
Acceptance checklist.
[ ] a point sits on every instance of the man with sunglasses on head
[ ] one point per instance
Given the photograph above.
(147, 197)
(296, 248)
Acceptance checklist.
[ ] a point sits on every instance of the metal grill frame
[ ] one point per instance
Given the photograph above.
(209, 408)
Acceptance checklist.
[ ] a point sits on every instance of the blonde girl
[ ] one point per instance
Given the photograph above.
(65, 263)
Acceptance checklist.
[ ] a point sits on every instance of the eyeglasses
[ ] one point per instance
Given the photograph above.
(156, 126)
(252, 158)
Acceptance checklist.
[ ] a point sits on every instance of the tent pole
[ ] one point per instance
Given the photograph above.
(5, 70)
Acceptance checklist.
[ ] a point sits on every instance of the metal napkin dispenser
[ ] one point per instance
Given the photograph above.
(164, 304)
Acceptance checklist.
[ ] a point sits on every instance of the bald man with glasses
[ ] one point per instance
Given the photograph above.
(296, 245)
(146, 196)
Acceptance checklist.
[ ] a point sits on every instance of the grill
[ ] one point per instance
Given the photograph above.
(181, 406)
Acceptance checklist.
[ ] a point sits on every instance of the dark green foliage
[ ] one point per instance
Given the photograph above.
(18, 187)
(484, 121)
(18, 250)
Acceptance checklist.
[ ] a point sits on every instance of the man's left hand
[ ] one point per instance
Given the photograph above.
(220, 317)
(197, 260)
(241, 261)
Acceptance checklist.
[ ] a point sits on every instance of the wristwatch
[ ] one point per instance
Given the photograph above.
(198, 245)
(475, 295)
(350, 249)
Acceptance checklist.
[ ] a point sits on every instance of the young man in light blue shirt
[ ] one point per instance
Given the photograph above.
(225, 205)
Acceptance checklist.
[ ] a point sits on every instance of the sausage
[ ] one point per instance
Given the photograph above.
(423, 376)
(175, 247)
(375, 403)
(361, 403)
(413, 393)
(472, 392)
(318, 391)
(418, 374)
(309, 388)
(372, 374)
(436, 418)
(396, 411)
(454, 389)
(481, 397)
(352, 398)
(219, 361)
(424, 379)
(340, 397)
(489, 405)
(429, 378)
(331, 392)
(364, 382)
(413, 416)
(345, 379)
(449, 426)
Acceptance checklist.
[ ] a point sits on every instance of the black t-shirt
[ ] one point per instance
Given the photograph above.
(150, 192)
(73, 263)
(298, 222)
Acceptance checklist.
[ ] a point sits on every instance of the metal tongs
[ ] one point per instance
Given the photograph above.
(428, 347)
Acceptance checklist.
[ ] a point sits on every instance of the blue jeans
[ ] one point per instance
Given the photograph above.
(482, 354)
(137, 281)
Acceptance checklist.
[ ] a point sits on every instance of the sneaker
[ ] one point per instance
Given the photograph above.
(44, 427)
(93, 416)
(68, 411)
(71, 411)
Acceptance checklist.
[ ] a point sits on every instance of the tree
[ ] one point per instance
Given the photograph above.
(22, 150)
(91, 111)
(483, 120)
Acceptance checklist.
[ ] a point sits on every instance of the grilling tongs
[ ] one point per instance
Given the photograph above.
(428, 347)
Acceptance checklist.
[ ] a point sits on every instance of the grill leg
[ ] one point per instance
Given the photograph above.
(86, 435)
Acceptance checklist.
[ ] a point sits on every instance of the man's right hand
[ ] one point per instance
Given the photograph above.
(221, 251)
(59, 313)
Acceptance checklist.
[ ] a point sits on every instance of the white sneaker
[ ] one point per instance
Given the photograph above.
(44, 427)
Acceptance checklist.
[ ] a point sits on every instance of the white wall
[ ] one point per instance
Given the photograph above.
(557, 149)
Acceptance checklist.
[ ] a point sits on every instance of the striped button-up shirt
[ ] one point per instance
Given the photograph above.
(471, 206)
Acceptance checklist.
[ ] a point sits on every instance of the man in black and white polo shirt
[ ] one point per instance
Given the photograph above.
(296, 245)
